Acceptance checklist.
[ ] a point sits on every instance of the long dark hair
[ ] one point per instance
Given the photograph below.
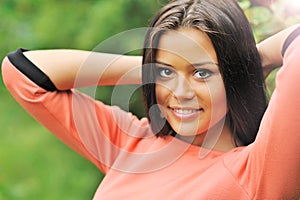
(239, 61)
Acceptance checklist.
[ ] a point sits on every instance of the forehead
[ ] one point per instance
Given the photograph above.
(189, 44)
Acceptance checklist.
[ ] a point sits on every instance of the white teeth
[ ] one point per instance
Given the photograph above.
(184, 111)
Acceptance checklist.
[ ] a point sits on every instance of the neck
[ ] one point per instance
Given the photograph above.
(218, 137)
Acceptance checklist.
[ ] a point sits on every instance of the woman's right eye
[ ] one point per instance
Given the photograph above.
(165, 72)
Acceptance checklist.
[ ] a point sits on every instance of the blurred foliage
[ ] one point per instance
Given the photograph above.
(33, 164)
(270, 16)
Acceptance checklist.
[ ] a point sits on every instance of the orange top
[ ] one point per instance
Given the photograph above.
(139, 165)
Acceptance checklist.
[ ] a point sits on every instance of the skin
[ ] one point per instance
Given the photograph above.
(270, 50)
(68, 68)
(190, 89)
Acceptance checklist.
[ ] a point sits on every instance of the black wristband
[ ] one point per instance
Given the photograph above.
(290, 39)
(24, 65)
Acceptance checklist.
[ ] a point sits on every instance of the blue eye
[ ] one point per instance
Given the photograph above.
(165, 72)
(202, 73)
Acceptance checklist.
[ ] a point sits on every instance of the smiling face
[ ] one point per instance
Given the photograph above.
(189, 87)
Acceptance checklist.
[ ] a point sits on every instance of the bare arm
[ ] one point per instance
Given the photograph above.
(270, 50)
(75, 68)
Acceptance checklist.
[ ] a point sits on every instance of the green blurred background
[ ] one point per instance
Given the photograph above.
(33, 163)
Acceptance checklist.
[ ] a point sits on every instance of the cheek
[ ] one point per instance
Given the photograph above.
(218, 102)
(162, 94)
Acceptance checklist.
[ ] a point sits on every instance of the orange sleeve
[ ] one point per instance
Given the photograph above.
(89, 127)
(270, 167)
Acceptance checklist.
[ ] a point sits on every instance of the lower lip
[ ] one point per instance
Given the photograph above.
(189, 116)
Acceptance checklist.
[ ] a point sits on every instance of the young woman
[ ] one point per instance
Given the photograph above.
(207, 135)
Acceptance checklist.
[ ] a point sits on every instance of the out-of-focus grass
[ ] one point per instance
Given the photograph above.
(36, 165)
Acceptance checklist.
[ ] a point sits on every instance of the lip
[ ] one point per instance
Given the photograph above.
(186, 113)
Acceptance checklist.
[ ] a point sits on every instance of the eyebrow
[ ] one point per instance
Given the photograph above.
(194, 64)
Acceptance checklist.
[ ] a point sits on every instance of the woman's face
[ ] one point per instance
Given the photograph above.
(189, 87)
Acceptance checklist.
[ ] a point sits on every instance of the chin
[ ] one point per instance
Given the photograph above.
(190, 132)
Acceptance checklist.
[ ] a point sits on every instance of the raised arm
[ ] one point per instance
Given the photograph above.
(275, 155)
(81, 122)
(270, 50)
(75, 68)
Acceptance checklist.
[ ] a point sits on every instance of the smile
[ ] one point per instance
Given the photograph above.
(186, 113)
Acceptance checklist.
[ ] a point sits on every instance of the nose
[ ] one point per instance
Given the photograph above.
(183, 89)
